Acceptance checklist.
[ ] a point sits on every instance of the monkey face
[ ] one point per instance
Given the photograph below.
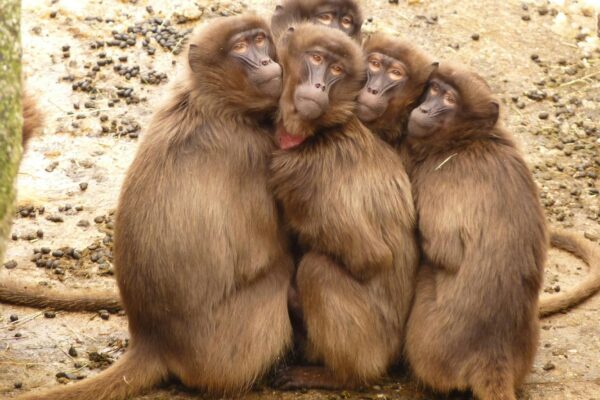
(385, 77)
(322, 69)
(338, 15)
(437, 112)
(343, 15)
(252, 49)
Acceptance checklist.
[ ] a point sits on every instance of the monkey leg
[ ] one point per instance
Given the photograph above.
(251, 332)
(446, 353)
(347, 325)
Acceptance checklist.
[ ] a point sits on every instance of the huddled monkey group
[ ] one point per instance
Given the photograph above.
(350, 199)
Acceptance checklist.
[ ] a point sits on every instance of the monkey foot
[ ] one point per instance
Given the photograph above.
(294, 378)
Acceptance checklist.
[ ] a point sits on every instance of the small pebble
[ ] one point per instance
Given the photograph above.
(14, 318)
(73, 351)
(18, 385)
(549, 366)
(543, 115)
(12, 264)
(104, 314)
(83, 186)
(475, 36)
(84, 223)
(49, 314)
(55, 218)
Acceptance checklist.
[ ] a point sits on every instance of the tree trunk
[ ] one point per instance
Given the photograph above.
(10, 111)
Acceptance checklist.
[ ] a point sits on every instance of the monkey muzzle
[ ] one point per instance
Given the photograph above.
(267, 77)
(370, 105)
(311, 100)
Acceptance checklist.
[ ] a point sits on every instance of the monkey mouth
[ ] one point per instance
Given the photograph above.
(367, 113)
(309, 108)
(286, 140)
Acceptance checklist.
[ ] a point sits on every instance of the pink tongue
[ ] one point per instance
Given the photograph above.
(287, 140)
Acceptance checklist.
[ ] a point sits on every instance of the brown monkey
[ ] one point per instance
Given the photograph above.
(344, 15)
(474, 323)
(345, 194)
(397, 73)
(201, 262)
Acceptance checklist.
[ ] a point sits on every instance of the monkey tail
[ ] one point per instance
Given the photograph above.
(75, 300)
(136, 371)
(590, 255)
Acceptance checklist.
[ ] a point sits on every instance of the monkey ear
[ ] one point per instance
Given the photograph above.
(494, 112)
(193, 57)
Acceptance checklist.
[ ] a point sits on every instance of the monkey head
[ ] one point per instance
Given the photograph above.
(323, 71)
(235, 58)
(397, 74)
(344, 15)
(457, 104)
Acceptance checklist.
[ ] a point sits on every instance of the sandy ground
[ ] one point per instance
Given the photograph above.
(527, 50)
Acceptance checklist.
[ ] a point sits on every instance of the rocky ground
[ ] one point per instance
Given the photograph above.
(99, 68)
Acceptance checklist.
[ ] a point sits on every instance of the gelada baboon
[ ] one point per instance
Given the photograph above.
(345, 194)
(474, 323)
(344, 15)
(397, 73)
(201, 262)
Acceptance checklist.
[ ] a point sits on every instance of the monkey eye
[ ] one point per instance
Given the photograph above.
(374, 65)
(336, 70)
(434, 89)
(316, 59)
(449, 99)
(347, 21)
(325, 18)
(396, 74)
(240, 47)
(260, 39)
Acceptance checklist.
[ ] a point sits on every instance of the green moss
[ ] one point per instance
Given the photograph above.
(10, 111)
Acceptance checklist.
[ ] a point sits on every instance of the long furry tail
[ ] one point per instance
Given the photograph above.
(136, 371)
(589, 254)
(73, 300)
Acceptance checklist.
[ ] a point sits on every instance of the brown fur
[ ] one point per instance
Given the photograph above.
(32, 118)
(201, 262)
(391, 126)
(346, 195)
(292, 12)
(589, 254)
(474, 323)
(73, 300)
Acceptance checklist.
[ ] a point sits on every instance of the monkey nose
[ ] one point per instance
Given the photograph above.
(372, 91)
(320, 86)
(266, 62)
